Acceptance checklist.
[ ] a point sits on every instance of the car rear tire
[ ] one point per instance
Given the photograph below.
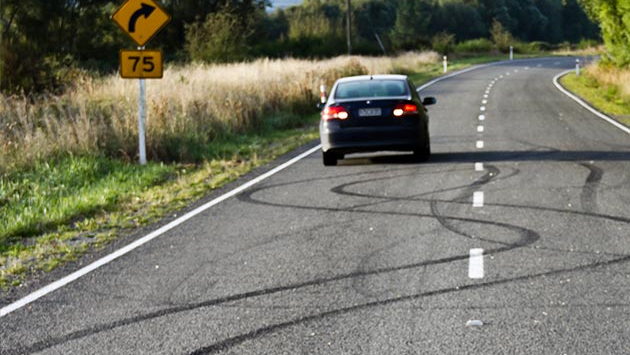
(329, 158)
(424, 153)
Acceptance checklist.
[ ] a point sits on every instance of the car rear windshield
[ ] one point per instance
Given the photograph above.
(371, 88)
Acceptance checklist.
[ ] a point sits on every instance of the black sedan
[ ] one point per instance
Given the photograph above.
(374, 113)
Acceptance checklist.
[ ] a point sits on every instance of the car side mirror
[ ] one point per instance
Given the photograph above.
(428, 101)
(321, 105)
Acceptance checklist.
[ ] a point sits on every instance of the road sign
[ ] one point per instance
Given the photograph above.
(141, 19)
(141, 64)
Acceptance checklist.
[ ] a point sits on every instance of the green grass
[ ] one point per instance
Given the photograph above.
(604, 98)
(55, 211)
(54, 193)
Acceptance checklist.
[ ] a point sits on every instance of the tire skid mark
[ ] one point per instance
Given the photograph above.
(527, 237)
(588, 198)
(240, 339)
(492, 173)
(506, 205)
(342, 190)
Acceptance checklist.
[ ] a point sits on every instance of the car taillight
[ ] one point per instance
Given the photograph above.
(334, 112)
(405, 109)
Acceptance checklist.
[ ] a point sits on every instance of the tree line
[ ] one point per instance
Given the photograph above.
(44, 45)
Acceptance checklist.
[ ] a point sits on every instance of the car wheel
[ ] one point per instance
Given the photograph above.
(330, 159)
(423, 154)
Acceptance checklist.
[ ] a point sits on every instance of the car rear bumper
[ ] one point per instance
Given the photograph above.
(373, 138)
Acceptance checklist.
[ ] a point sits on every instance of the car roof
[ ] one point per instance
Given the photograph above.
(372, 77)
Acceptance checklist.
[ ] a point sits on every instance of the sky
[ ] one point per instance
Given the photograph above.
(284, 3)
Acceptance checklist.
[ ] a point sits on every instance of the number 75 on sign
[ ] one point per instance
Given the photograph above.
(141, 64)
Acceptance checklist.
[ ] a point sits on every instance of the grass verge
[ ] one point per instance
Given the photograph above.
(54, 212)
(607, 98)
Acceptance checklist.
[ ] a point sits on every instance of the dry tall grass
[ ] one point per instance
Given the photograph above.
(192, 105)
(611, 76)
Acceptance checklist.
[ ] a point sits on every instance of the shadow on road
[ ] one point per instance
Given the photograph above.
(491, 156)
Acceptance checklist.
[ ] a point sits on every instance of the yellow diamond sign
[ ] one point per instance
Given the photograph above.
(141, 19)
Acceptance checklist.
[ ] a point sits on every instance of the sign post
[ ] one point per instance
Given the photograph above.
(142, 122)
(141, 20)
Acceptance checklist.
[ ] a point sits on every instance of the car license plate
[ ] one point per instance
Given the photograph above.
(367, 112)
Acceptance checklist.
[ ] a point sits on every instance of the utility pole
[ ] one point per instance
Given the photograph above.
(348, 26)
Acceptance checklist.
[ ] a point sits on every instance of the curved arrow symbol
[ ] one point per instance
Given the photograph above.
(145, 10)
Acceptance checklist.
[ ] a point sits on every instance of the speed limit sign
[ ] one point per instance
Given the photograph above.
(141, 64)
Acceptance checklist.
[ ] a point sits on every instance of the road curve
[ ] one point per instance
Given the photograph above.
(374, 256)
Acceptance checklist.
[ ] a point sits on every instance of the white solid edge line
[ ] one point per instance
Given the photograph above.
(120, 252)
(475, 264)
(586, 105)
(436, 80)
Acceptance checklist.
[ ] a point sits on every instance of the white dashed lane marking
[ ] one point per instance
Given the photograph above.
(479, 144)
(478, 166)
(483, 108)
(484, 102)
(478, 199)
(475, 264)
(480, 129)
(482, 117)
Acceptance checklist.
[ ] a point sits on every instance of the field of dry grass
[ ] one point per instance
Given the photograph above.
(605, 87)
(190, 107)
(612, 76)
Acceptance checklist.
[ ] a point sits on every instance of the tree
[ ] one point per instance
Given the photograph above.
(614, 21)
(500, 36)
(411, 26)
(221, 38)
(461, 19)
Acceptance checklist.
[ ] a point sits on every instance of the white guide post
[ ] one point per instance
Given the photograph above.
(577, 67)
(445, 64)
(511, 52)
(322, 93)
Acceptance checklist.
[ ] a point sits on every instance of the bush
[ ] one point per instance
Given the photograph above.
(220, 39)
(22, 70)
(443, 43)
(501, 37)
(587, 43)
(481, 45)
(540, 46)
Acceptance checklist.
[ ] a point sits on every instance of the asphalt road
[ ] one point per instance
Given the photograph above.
(373, 256)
